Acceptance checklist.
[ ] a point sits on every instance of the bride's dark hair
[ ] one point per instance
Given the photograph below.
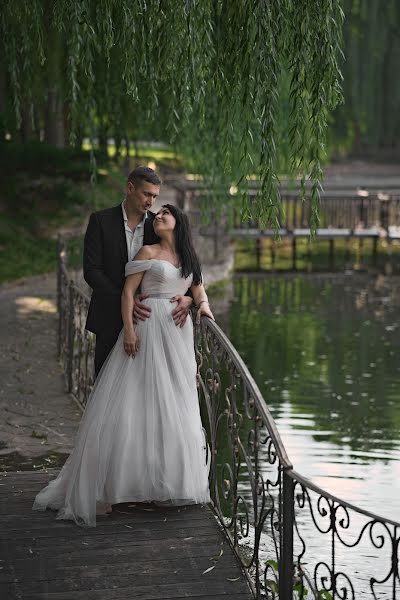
(184, 245)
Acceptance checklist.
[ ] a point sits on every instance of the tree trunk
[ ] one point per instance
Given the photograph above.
(103, 139)
(126, 161)
(54, 119)
(27, 130)
(2, 101)
(117, 141)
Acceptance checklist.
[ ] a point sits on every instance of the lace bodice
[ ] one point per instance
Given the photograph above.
(161, 276)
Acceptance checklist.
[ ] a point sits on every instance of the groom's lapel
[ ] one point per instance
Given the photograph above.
(119, 232)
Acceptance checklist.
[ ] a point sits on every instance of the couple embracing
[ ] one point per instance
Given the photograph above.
(140, 438)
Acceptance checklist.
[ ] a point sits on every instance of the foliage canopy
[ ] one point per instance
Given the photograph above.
(242, 88)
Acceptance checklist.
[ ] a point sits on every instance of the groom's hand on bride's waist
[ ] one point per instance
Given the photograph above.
(140, 311)
(181, 310)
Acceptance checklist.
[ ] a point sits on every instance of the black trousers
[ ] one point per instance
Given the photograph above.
(104, 345)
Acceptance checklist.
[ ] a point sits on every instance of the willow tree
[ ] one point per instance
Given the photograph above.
(211, 73)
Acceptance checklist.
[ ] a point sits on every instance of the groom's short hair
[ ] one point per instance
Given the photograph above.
(142, 173)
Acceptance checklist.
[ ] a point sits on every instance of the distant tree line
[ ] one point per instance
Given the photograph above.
(368, 123)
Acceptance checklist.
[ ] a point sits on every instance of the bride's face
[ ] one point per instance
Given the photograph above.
(164, 221)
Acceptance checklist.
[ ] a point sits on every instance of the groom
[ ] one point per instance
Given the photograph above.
(114, 236)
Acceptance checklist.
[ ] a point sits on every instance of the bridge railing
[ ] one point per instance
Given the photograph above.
(75, 344)
(339, 209)
(293, 539)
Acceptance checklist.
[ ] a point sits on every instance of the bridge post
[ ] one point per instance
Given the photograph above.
(62, 263)
(70, 336)
(286, 571)
(384, 202)
(294, 253)
(60, 249)
(258, 253)
(272, 250)
(374, 250)
(331, 254)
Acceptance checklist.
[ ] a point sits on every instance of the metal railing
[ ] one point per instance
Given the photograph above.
(293, 539)
(75, 344)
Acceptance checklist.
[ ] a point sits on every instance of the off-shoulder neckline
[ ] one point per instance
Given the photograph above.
(159, 259)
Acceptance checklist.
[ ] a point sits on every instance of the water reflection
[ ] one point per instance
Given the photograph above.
(324, 351)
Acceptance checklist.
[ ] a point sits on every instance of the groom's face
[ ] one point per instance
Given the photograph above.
(142, 196)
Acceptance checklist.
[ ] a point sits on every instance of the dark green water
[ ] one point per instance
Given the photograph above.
(325, 352)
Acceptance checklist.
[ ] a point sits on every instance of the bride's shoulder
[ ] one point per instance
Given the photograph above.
(147, 252)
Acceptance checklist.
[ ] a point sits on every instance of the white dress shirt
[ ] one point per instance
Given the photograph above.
(134, 239)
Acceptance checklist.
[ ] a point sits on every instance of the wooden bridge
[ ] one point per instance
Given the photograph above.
(351, 210)
(242, 545)
(139, 551)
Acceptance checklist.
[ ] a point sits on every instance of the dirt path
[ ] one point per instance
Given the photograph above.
(37, 417)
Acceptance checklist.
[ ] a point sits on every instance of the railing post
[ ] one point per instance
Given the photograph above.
(384, 201)
(70, 334)
(60, 291)
(59, 298)
(286, 554)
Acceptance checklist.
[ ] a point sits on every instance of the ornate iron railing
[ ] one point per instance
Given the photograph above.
(75, 343)
(293, 539)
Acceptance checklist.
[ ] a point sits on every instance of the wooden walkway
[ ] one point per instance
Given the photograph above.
(135, 553)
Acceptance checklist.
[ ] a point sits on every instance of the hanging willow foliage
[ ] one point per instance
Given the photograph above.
(213, 76)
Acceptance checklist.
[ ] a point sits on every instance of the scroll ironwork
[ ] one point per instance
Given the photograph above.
(293, 539)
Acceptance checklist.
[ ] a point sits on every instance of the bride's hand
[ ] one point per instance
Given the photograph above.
(204, 310)
(131, 342)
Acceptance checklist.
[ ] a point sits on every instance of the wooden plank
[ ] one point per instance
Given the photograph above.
(366, 232)
(27, 517)
(41, 572)
(28, 548)
(155, 573)
(135, 552)
(254, 233)
(327, 233)
(194, 548)
(220, 591)
(99, 577)
(62, 529)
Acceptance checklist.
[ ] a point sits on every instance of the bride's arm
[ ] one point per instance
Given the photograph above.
(131, 340)
(201, 300)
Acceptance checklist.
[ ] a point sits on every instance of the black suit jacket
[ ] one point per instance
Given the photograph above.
(104, 258)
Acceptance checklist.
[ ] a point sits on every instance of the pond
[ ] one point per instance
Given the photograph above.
(324, 350)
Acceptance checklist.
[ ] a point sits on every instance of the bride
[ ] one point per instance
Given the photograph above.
(141, 437)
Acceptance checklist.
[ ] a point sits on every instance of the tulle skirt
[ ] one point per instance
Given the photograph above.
(141, 437)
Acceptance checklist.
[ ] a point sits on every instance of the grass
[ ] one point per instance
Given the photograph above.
(44, 189)
(22, 252)
(143, 151)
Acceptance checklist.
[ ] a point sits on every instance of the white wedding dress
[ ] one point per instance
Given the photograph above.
(140, 437)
